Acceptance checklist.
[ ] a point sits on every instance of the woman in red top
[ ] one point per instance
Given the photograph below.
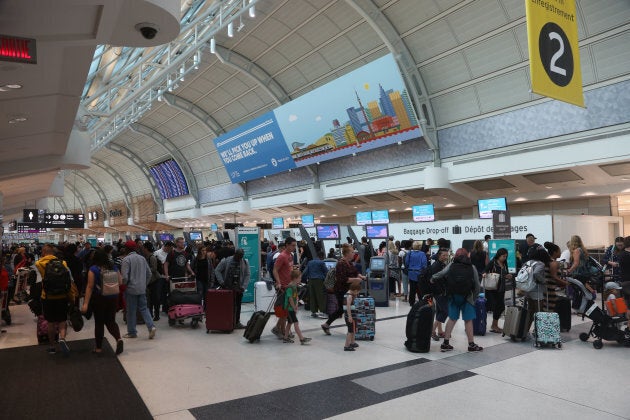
(345, 273)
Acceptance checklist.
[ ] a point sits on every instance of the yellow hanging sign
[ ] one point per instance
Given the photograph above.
(554, 55)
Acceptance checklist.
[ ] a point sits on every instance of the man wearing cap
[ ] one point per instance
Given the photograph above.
(531, 248)
(136, 275)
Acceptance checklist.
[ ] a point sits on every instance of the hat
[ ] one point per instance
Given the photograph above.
(130, 245)
(530, 235)
(273, 247)
(611, 285)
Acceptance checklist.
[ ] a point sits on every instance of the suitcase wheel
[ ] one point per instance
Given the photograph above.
(194, 323)
(559, 345)
(372, 338)
(598, 344)
(251, 340)
(207, 331)
(584, 336)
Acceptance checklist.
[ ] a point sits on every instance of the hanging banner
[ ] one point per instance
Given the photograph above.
(554, 55)
(247, 240)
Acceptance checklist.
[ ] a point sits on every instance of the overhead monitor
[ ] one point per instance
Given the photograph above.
(423, 213)
(196, 236)
(164, 237)
(277, 223)
(364, 217)
(375, 231)
(486, 205)
(308, 220)
(327, 231)
(380, 216)
(214, 227)
(143, 237)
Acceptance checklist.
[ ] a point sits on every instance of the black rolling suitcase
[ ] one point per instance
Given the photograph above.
(563, 308)
(257, 322)
(420, 326)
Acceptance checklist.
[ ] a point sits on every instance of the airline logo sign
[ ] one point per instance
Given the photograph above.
(554, 56)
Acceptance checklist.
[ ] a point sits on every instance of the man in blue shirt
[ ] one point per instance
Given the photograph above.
(315, 274)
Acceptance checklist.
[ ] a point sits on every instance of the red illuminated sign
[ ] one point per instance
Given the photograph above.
(21, 50)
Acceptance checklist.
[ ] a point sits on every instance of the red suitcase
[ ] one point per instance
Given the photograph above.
(219, 310)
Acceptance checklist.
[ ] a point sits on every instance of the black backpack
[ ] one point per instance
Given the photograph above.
(232, 278)
(459, 279)
(56, 279)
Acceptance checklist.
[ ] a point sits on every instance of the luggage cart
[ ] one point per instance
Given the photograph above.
(184, 302)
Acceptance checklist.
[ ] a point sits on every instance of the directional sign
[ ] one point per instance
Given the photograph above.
(64, 220)
(554, 56)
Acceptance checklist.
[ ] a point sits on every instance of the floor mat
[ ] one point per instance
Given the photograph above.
(82, 385)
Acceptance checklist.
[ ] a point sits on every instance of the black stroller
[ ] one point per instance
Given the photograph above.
(605, 327)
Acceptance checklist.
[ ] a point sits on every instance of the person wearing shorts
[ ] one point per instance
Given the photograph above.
(460, 302)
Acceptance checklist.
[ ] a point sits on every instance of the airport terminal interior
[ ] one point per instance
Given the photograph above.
(213, 119)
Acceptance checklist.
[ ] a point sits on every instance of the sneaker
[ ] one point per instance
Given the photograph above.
(314, 315)
(239, 326)
(305, 340)
(355, 345)
(474, 347)
(51, 350)
(291, 335)
(435, 337)
(322, 315)
(326, 329)
(446, 347)
(119, 346)
(64, 347)
(156, 318)
(128, 335)
(275, 331)
(287, 340)
(349, 348)
(152, 333)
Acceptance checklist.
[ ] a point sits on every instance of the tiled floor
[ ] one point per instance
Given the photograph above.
(185, 374)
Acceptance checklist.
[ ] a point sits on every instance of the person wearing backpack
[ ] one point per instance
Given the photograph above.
(233, 273)
(462, 288)
(415, 263)
(56, 283)
(103, 299)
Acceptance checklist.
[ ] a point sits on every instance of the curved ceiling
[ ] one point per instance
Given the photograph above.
(467, 53)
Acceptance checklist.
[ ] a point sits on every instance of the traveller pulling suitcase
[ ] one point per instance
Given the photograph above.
(219, 310)
(420, 325)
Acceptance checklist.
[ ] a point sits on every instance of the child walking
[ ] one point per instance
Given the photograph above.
(291, 305)
(348, 311)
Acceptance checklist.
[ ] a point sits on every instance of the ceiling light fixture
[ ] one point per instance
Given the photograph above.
(230, 30)
(213, 46)
(252, 10)
(13, 86)
(17, 120)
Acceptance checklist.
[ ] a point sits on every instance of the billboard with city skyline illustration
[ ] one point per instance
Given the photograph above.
(365, 109)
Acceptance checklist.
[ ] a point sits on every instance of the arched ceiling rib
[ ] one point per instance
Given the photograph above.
(194, 111)
(143, 167)
(77, 194)
(175, 153)
(121, 182)
(96, 186)
(248, 67)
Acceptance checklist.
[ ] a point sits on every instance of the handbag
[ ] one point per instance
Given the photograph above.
(491, 281)
(75, 318)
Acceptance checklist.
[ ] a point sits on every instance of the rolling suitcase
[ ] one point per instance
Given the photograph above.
(563, 309)
(366, 318)
(547, 329)
(515, 319)
(219, 310)
(419, 326)
(480, 321)
(258, 321)
(42, 330)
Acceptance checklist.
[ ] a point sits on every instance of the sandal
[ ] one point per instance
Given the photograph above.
(496, 331)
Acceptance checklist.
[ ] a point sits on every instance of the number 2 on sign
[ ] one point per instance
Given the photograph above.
(552, 65)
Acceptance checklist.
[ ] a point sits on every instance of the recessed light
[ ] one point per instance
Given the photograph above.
(16, 120)
(625, 178)
(548, 187)
(13, 86)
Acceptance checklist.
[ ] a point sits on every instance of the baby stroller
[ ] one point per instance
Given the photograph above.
(605, 327)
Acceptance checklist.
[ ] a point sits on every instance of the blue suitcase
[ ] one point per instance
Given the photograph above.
(480, 322)
(365, 318)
